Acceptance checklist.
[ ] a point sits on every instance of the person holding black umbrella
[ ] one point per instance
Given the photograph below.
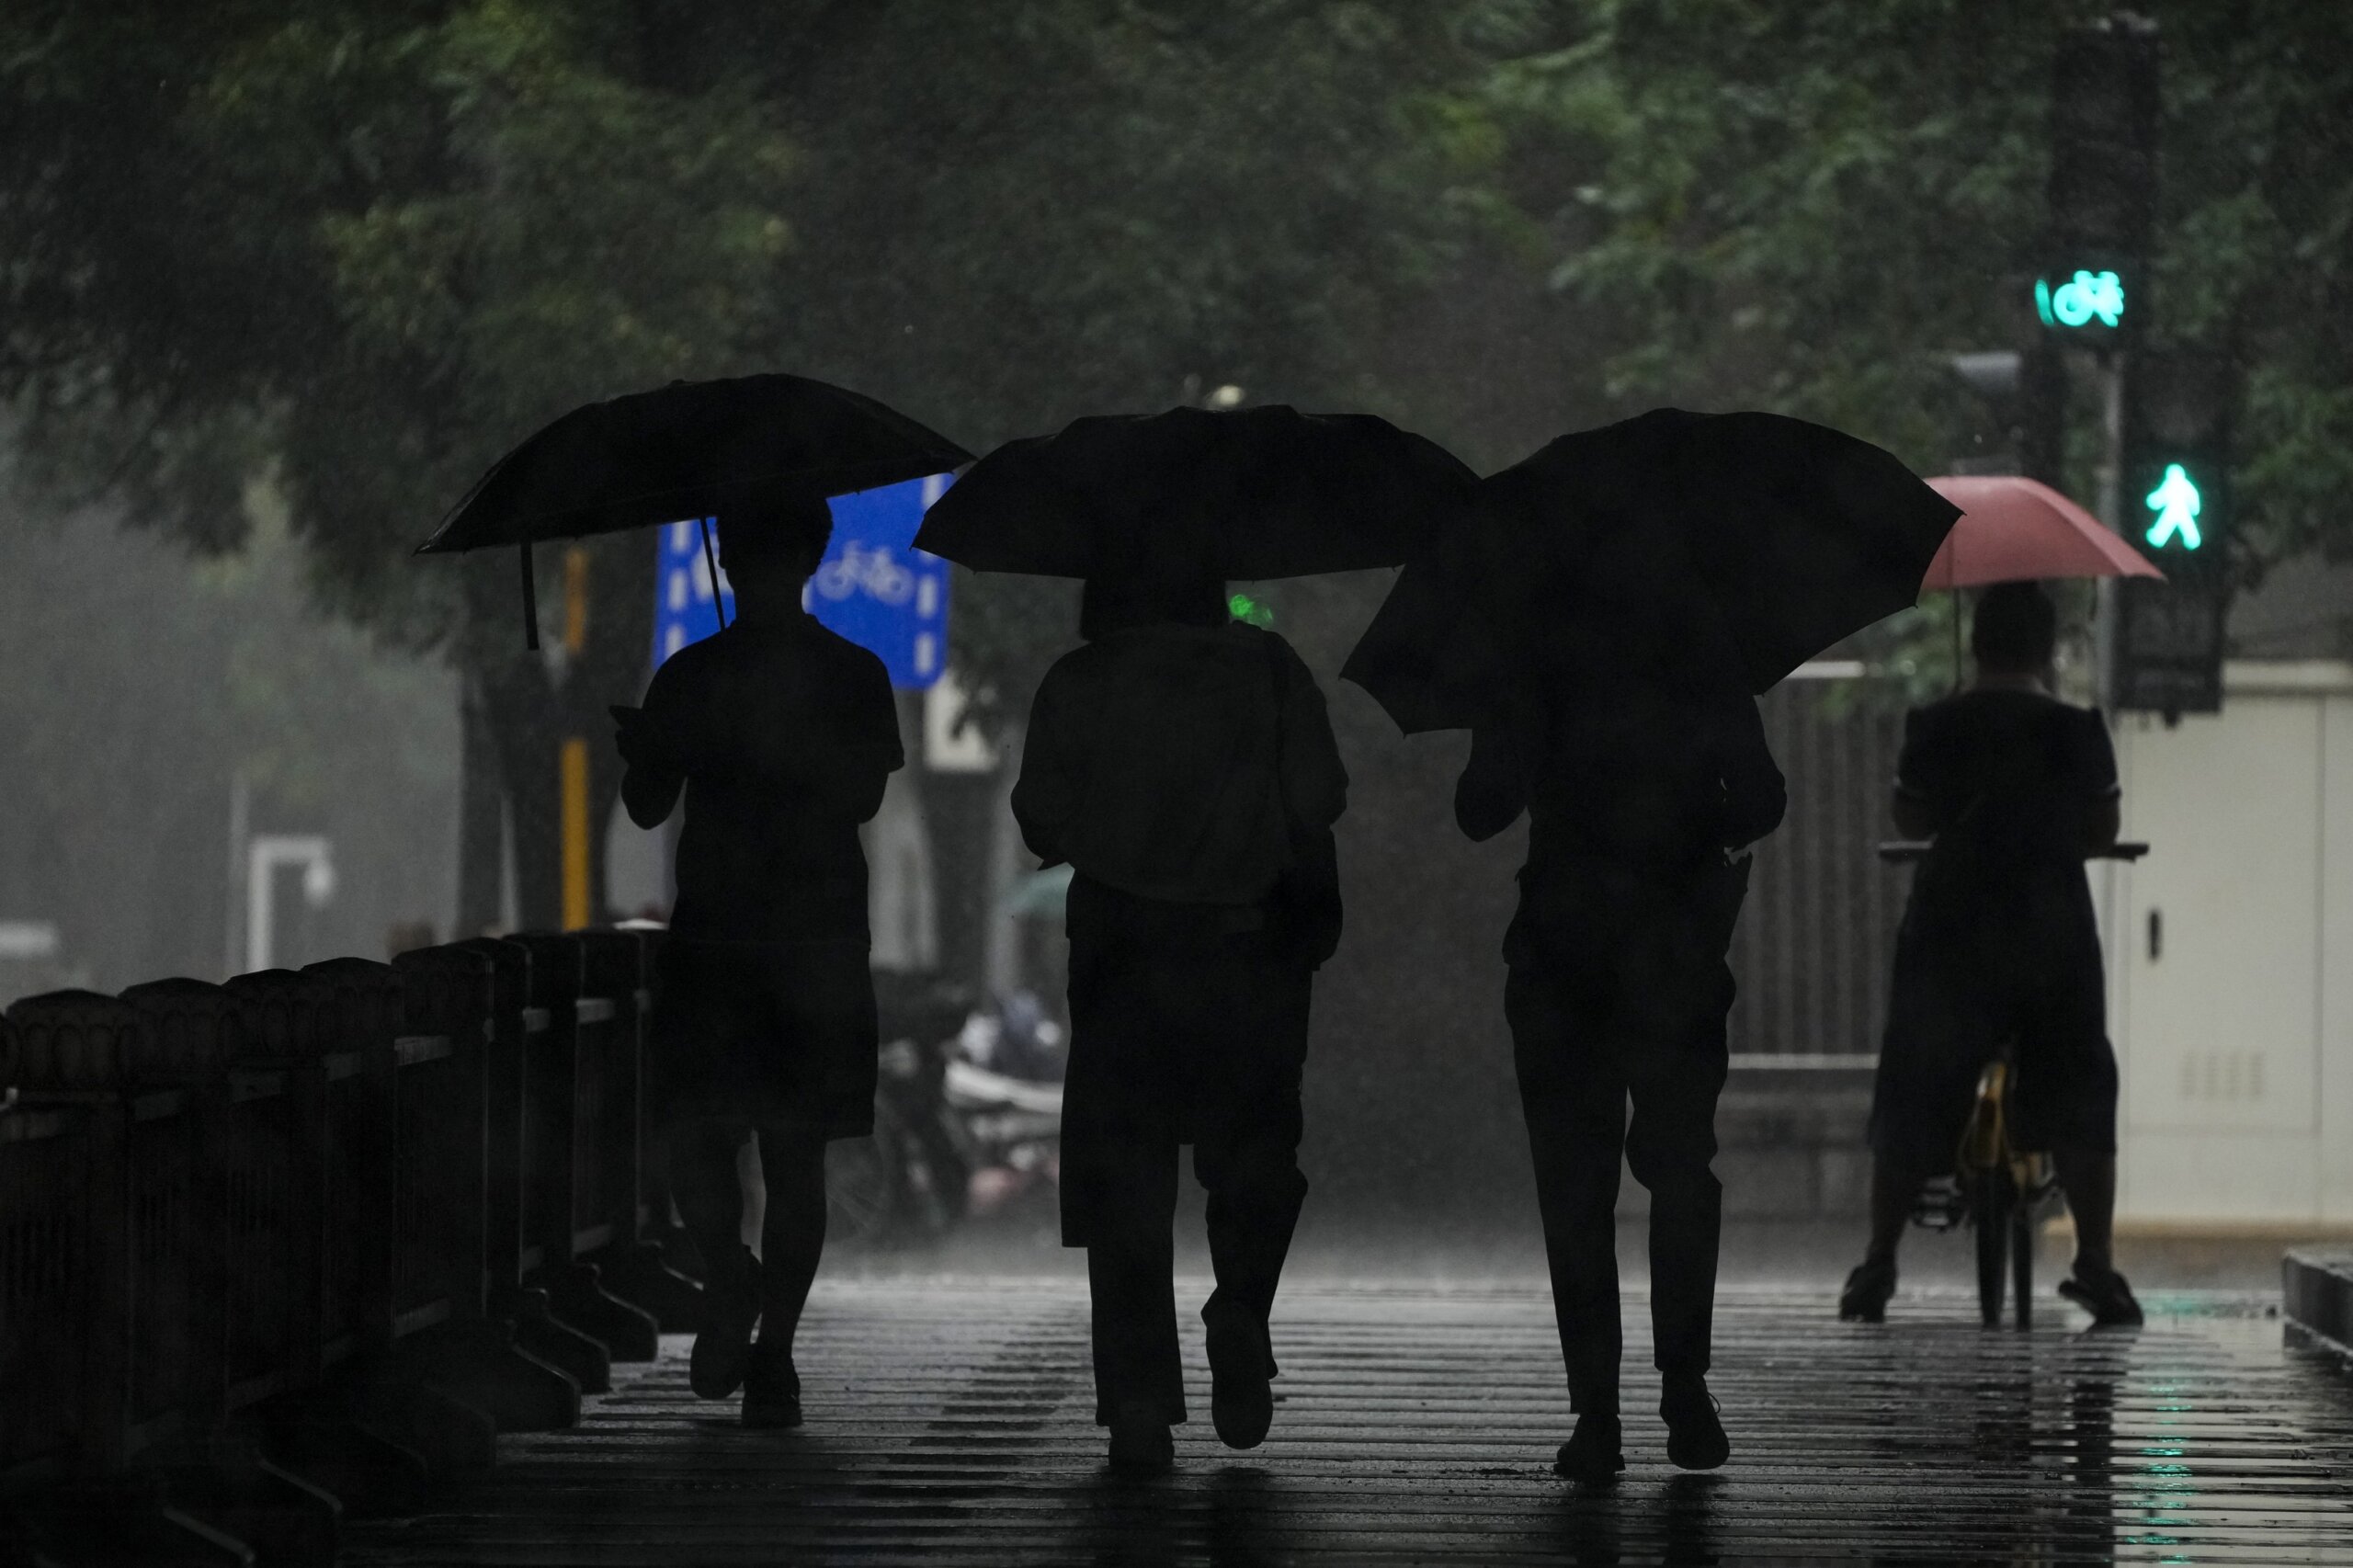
(1601, 619)
(780, 735)
(1181, 762)
(1183, 765)
(1639, 758)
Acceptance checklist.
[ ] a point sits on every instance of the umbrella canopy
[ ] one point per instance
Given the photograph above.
(1778, 536)
(1245, 493)
(690, 449)
(2014, 530)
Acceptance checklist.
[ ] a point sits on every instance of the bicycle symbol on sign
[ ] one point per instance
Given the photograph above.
(872, 570)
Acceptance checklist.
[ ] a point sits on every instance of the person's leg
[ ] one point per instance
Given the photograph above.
(1139, 1380)
(792, 1236)
(1245, 1154)
(708, 1188)
(2088, 1179)
(710, 1193)
(1573, 1102)
(1895, 1186)
(792, 1232)
(1671, 1147)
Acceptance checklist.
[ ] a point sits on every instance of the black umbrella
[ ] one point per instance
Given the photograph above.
(1251, 492)
(1792, 536)
(689, 450)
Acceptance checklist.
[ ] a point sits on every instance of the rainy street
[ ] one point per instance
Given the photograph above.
(1192, 782)
(948, 1421)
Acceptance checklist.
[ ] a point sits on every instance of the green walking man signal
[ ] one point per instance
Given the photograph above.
(2176, 503)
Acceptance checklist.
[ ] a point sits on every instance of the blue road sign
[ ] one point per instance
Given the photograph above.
(874, 586)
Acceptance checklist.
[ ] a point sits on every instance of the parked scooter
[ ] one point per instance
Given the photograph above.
(967, 1112)
(1006, 1084)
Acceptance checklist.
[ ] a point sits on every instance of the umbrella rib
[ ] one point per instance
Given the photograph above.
(710, 564)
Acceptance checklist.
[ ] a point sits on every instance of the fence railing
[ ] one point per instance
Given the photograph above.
(296, 1243)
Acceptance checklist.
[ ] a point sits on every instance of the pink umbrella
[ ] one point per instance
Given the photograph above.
(2013, 529)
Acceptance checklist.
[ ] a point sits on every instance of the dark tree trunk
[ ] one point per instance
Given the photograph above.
(529, 704)
(482, 808)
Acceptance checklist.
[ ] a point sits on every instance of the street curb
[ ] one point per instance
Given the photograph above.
(2317, 1292)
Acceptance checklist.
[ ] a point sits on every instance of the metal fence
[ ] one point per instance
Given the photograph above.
(1818, 932)
(348, 1221)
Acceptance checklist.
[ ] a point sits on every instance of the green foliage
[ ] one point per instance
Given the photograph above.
(379, 245)
(1803, 208)
(364, 247)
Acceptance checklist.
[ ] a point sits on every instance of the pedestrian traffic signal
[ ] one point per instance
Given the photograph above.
(2178, 511)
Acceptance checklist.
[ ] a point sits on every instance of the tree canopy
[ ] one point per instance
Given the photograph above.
(362, 248)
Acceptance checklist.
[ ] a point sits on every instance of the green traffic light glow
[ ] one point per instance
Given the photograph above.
(2176, 503)
(2082, 300)
(1242, 607)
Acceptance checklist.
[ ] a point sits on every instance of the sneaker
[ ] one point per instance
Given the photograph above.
(731, 1307)
(1866, 1296)
(771, 1388)
(1695, 1436)
(2106, 1297)
(1595, 1452)
(1242, 1405)
(1140, 1441)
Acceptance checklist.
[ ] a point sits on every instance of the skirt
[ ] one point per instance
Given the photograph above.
(766, 1033)
(1952, 1006)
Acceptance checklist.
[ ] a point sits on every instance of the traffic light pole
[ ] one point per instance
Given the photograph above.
(2110, 508)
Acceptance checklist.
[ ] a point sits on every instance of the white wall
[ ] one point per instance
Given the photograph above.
(2234, 1034)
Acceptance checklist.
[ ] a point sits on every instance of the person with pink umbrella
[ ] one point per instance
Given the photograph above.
(1998, 942)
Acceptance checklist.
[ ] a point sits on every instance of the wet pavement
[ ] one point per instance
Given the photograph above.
(950, 1422)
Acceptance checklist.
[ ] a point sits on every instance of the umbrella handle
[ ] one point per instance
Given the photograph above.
(530, 600)
(710, 564)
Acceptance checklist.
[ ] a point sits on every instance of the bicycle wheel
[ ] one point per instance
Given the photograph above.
(2022, 1260)
(1990, 1203)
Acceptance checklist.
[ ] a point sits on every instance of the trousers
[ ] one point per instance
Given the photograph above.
(1183, 1031)
(1630, 1017)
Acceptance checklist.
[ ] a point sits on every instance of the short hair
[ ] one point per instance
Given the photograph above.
(2016, 627)
(791, 533)
(1110, 603)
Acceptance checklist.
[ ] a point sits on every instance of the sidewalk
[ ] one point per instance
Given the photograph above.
(948, 1423)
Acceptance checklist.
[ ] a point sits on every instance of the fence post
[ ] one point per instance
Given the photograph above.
(50, 1190)
(639, 1197)
(521, 1019)
(447, 1334)
(566, 1171)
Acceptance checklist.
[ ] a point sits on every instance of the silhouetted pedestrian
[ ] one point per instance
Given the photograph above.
(1999, 945)
(1183, 765)
(782, 735)
(1638, 755)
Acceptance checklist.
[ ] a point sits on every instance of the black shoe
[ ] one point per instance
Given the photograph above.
(771, 1388)
(1695, 1436)
(1242, 1405)
(731, 1307)
(1867, 1288)
(2108, 1298)
(1140, 1441)
(1595, 1452)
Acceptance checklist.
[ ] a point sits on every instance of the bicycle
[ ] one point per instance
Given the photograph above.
(1995, 1188)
